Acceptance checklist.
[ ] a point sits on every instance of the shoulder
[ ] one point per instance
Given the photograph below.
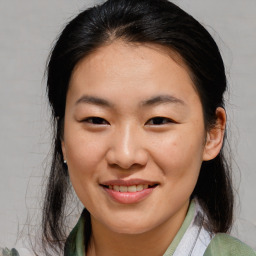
(15, 252)
(7, 252)
(224, 244)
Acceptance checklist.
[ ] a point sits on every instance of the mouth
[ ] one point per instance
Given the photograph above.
(129, 189)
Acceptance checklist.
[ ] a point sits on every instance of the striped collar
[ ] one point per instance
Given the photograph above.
(191, 240)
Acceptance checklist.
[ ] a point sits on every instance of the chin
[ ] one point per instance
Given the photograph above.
(130, 230)
(130, 226)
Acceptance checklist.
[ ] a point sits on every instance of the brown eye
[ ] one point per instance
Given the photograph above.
(96, 121)
(159, 121)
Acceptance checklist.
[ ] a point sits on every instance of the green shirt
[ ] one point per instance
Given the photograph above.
(220, 245)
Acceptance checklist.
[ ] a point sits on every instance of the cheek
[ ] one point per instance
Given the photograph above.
(180, 160)
(180, 154)
(84, 156)
(83, 148)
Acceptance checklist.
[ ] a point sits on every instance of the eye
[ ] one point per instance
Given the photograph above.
(96, 120)
(159, 121)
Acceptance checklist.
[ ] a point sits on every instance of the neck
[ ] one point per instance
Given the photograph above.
(154, 242)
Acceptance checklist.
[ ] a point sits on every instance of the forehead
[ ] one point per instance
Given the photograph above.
(126, 54)
(125, 68)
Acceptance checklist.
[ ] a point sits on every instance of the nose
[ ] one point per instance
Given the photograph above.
(127, 149)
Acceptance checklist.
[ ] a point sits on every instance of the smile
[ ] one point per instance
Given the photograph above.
(128, 192)
(130, 189)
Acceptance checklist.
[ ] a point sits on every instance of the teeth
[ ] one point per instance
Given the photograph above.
(123, 189)
(116, 188)
(131, 189)
(139, 187)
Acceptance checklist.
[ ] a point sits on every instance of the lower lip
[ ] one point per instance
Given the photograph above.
(129, 197)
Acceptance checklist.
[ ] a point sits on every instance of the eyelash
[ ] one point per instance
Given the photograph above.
(96, 120)
(158, 119)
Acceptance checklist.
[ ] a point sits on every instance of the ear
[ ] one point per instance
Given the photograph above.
(63, 149)
(215, 136)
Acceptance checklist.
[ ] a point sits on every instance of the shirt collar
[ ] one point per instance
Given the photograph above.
(75, 242)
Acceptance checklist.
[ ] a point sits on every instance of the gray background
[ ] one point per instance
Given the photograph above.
(27, 31)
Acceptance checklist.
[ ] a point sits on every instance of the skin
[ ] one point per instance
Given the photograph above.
(128, 142)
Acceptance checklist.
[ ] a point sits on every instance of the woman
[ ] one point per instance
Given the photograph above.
(136, 89)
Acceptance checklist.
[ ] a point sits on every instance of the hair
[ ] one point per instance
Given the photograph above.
(158, 22)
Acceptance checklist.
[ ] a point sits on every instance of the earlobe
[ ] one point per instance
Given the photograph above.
(215, 136)
(63, 149)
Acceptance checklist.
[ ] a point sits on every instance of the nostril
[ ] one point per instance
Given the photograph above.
(122, 167)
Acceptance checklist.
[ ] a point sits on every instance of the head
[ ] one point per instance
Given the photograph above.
(153, 31)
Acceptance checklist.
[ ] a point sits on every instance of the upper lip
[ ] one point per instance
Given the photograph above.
(131, 182)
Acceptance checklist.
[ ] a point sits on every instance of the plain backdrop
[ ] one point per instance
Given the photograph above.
(28, 29)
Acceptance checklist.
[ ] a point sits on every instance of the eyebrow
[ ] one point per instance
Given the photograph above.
(160, 99)
(156, 100)
(94, 100)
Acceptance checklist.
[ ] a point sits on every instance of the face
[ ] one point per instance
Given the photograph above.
(134, 137)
